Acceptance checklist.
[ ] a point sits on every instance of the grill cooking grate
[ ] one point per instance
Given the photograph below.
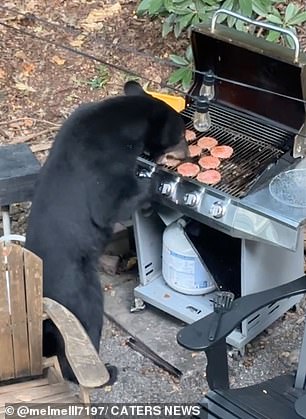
(255, 146)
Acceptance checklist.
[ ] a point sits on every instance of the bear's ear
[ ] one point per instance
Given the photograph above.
(132, 88)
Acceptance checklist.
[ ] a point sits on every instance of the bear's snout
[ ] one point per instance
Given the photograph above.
(178, 152)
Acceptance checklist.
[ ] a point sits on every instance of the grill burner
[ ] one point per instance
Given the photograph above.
(255, 146)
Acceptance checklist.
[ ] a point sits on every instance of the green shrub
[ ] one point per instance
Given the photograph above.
(178, 15)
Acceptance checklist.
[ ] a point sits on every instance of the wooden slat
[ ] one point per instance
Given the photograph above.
(18, 311)
(62, 397)
(6, 352)
(63, 400)
(34, 394)
(16, 387)
(40, 387)
(2, 416)
(33, 280)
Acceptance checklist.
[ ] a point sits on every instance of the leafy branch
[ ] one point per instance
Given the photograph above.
(178, 16)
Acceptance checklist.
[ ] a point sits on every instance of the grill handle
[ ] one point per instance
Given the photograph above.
(261, 24)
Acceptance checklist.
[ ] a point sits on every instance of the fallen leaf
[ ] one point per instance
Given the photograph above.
(21, 55)
(4, 133)
(28, 123)
(30, 5)
(38, 29)
(28, 68)
(57, 60)
(2, 73)
(93, 27)
(29, 137)
(78, 41)
(131, 263)
(97, 16)
(16, 125)
(24, 87)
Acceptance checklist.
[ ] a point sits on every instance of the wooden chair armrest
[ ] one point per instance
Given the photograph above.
(82, 356)
(195, 335)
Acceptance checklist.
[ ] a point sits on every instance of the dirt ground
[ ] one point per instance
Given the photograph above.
(40, 84)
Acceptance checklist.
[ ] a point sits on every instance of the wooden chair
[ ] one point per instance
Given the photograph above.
(283, 397)
(25, 375)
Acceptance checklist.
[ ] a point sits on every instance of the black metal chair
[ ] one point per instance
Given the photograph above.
(283, 397)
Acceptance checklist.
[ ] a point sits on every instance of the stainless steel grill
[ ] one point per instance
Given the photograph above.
(255, 146)
(248, 240)
(262, 128)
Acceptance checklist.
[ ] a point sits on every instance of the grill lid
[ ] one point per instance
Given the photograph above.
(247, 60)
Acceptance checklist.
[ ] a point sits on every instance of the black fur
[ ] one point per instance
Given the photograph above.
(86, 185)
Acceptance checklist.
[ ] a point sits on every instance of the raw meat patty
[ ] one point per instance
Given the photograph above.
(222, 151)
(210, 177)
(194, 150)
(206, 143)
(190, 135)
(188, 169)
(209, 162)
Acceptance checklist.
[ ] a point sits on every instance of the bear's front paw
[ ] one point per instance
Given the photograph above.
(144, 188)
(113, 375)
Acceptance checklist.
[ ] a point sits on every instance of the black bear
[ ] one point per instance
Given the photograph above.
(88, 183)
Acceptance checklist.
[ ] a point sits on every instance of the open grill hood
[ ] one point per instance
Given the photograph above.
(246, 59)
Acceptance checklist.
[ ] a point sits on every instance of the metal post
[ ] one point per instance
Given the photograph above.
(301, 371)
(7, 236)
(5, 211)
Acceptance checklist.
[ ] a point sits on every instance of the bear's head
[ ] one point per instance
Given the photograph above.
(166, 135)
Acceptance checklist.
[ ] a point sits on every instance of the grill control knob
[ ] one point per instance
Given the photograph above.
(145, 173)
(217, 210)
(191, 199)
(165, 189)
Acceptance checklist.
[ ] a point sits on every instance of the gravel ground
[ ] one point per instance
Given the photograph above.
(272, 353)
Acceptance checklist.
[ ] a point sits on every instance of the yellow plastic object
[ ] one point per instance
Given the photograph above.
(176, 102)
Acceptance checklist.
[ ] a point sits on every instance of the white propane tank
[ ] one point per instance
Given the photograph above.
(181, 267)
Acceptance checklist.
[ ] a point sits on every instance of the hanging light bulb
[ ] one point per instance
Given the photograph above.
(201, 117)
(208, 86)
